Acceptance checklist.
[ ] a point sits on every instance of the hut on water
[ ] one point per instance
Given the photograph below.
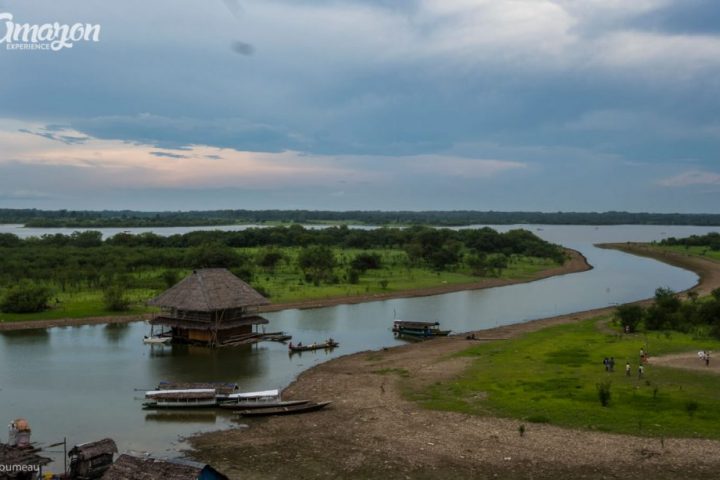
(127, 467)
(210, 307)
(89, 461)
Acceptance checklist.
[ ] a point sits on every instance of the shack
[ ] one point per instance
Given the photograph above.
(89, 461)
(210, 307)
(129, 467)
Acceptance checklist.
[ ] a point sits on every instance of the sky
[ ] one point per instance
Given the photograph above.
(542, 105)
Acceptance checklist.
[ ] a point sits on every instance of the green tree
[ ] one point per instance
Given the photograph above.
(213, 255)
(317, 262)
(629, 316)
(26, 297)
(115, 298)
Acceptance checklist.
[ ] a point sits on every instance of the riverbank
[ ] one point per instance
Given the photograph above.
(577, 263)
(373, 431)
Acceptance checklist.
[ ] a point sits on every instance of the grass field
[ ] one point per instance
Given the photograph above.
(286, 283)
(552, 376)
(699, 251)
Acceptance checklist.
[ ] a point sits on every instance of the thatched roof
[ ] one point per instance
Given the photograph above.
(20, 456)
(209, 290)
(127, 467)
(90, 450)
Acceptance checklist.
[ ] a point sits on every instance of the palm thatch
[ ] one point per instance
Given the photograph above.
(209, 290)
(127, 467)
(86, 451)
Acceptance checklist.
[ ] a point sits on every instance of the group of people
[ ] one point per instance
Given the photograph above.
(609, 363)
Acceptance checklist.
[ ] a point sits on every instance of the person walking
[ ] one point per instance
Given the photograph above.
(627, 368)
(641, 371)
(707, 358)
(606, 363)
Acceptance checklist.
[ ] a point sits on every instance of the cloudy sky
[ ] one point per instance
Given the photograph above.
(366, 104)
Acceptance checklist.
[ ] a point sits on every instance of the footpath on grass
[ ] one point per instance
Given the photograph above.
(372, 431)
(576, 263)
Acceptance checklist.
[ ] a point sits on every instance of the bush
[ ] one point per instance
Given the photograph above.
(691, 406)
(366, 261)
(170, 277)
(115, 298)
(26, 297)
(629, 316)
(604, 393)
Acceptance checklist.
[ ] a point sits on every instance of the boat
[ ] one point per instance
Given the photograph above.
(222, 389)
(264, 399)
(288, 410)
(419, 329)
(157, 340)
(277, 337)
(190, 398)
(327, 345)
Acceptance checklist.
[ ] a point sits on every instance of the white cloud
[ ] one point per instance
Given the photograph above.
(691, 178)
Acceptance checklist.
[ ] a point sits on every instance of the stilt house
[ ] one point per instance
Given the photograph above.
(210, 307)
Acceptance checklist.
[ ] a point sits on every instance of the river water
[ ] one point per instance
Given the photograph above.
(85, 383)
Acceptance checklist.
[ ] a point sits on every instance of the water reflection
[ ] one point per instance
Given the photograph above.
(116, 332)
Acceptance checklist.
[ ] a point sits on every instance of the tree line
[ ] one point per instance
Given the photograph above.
(669, 312)
(130, 218)
(31, 268)
(710, 240)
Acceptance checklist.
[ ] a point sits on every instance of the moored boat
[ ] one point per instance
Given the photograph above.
(157, 340)
(326, 345)
(288, 410)
(252, 400)
(189, 398)
(419, 329)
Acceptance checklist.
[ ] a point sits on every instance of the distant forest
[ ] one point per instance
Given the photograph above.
(129, 218)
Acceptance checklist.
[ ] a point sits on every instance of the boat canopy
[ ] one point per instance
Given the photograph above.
(191, 391)
(266, 393)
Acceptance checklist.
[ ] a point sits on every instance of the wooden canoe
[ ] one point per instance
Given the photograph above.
(304, 408)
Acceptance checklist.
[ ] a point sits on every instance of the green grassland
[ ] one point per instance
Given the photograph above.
(553, 375)
(700, 251)
(286, 282)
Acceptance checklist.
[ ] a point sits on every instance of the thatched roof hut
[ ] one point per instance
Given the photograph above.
(90, 450)
(137, 468)
(209, 290)
(21, 458)
(209, 307)
(90, 460)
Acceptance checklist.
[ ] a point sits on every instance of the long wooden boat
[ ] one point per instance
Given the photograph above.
(313, 346)
(229, 405)
(262, 399)
(222, 389)
(289, 410)
(419, 329)
(189, 398)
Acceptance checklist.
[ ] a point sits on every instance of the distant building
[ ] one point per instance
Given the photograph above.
(135, 468)
(21, 463)
(89, 461)
(210, 307)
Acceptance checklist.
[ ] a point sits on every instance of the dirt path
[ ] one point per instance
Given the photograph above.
(688, 361)
(577, 263)
(370, 431)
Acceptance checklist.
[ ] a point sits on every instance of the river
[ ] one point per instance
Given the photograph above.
(85, 383)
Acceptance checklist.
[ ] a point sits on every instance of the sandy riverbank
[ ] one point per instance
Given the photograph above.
(371, 431)
(576, 263)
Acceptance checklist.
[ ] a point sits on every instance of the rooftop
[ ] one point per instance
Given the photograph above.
(209, 290)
